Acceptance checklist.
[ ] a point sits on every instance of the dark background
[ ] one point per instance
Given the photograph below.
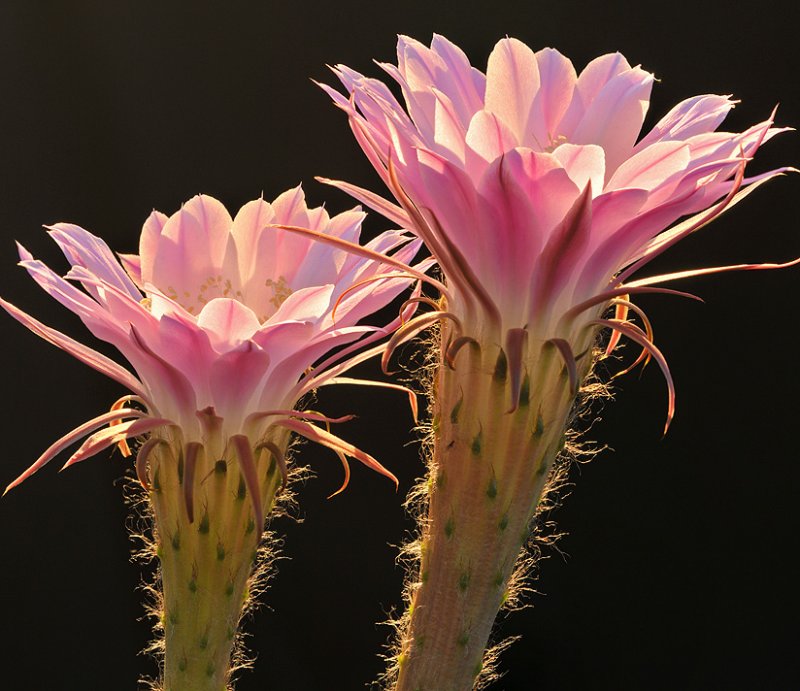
(679, 568)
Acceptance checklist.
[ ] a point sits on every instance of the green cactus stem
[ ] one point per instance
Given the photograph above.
(490, 460)
(207, 533)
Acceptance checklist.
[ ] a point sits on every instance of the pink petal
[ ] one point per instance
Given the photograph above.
(418, 67)
(693, 116)
(235, 378)
(195, 259)
(558, 80)
(652, 166)
(559, 258)
(512, 82)
(583, 163)
(464, 85)
(133, 266)
(307, 304)
(82, 248)
(487, 139)
(148, 243)
(227, 323)
(247, 228)
(591, 80)
(449, 131)
(614, 117)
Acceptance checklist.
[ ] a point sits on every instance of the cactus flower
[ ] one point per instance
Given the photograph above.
(531, 186)
(227, 324)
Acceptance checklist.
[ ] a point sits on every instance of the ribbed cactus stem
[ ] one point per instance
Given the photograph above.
(207, 543)
(489, 467)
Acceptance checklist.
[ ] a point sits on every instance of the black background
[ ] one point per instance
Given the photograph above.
(679, 567)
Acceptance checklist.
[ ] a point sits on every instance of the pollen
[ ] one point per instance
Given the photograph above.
(280, 290)
(555, 142)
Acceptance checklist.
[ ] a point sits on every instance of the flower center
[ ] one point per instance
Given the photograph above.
(555, 142)
(280, 291)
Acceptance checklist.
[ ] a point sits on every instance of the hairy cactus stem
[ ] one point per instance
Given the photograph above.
(207, 543)
(489, 466)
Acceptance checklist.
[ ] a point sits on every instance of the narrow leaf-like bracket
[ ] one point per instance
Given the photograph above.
(142, 457)
(78, 433)
(411, 329)
(191, 454)
(113, 435)
(638, 336)
(565, 350)
(608, 295)
(455, 347)
(321, 436)
(247, 464)
(366, 253)
(516, 347)
(412, 397)
(622, 308)
(280, 459)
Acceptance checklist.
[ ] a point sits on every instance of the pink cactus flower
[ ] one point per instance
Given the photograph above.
(528, 184)
(531, 186)
(227, 323)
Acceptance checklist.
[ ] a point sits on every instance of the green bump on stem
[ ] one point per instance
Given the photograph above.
(220, 551)
(182, 664)
(463, 581)
(173, 616)
(176, 541)
(273, 465)
(498, 580)
(419, 642)
(525, 392)
(221, 467)
(229, 589)
(463, 639)
(203, 642)
(501, 367)
(449, 527)
(456, 409)
(477, 443)
(539, 429)
(423, 577)
(204, 524)
(210, 670)
(241, 492)
(503, 524)
(193, 586)
(491, 488)
(251, 526)
(542, 469)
